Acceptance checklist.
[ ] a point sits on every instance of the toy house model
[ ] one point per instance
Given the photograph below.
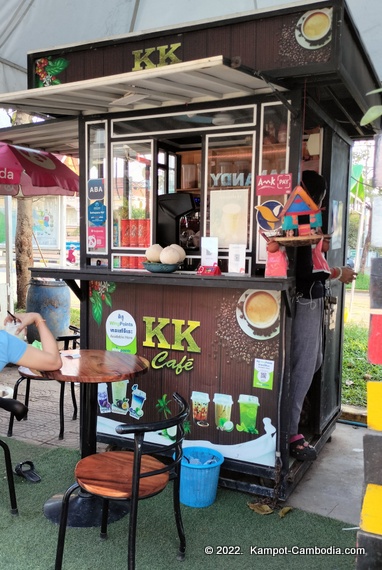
(300, 204)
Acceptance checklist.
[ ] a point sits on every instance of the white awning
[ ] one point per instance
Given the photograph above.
(209, 79)
(59, 136)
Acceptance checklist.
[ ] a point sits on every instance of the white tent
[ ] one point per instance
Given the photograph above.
(32, 25)
(38, 25)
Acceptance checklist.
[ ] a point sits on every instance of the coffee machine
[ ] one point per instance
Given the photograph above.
(172, 208)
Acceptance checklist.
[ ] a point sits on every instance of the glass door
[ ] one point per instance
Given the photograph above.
(229, 190)
(131, 202)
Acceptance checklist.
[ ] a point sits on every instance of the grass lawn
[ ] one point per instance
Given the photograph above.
(75, 317)
(361, 283)
(356, 370)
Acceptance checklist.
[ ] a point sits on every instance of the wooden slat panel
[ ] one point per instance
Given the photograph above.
(225, 363)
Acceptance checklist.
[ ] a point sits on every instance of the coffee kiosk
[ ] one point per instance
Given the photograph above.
(198, 133)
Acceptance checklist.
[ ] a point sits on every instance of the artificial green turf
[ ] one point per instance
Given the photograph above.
(28, 541)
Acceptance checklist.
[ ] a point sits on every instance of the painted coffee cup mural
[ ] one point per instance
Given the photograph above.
(258, 313)
(314, 28)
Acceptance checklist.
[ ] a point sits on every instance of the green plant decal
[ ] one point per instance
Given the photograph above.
(163, 406)
(47, 70)
(251, 429)
(99, 292)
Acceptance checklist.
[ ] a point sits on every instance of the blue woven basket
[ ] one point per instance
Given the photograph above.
(199, 483)
(160, 267)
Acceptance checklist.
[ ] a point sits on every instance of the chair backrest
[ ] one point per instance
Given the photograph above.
(15, 407)
(168, 439)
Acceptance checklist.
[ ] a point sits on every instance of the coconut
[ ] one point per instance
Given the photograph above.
(169, 255)
(181, 251)
(153, 253)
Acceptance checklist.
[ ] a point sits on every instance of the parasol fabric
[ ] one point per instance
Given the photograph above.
(29, 172)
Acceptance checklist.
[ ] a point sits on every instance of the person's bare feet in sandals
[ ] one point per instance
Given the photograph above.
(300, 449)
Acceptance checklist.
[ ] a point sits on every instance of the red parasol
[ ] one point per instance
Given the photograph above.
(29, 172)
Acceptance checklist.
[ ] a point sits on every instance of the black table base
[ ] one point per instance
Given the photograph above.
(84, 510)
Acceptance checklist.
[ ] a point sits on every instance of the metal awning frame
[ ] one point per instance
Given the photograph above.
(208, 79)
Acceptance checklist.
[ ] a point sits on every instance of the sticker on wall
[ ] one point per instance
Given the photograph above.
(200, 401)
(138, 398)
(47, 69)
(273, 184)
(248, 407)
(103, 399)
(314, 28)
(258, 313)
(99, 293)
(120, 402)
(96, 238)
(97, 213)
(238, 339)
(267, 215)
(263, 374)
(223, 407)
(121, 332)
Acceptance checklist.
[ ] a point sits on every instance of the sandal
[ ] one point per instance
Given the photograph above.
(301, 450)
(26, 469)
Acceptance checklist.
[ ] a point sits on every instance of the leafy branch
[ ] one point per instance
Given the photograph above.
(99, 292)
(374, 112)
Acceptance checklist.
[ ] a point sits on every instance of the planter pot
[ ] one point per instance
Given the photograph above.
(50, 298)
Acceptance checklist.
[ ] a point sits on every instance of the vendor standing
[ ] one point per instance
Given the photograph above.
(312, 274)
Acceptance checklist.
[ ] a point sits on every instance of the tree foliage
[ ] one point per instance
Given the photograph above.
(354, 220)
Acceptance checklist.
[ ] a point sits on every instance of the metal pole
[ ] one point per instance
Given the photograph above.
(9, 274)
(62, 231)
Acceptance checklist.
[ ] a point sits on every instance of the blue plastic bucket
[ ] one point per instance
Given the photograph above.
(200, 469)
(51, 299)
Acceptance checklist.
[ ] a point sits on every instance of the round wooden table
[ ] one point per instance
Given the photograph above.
(89, 368)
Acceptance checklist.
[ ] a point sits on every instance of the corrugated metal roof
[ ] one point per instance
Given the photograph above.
(56, 136)
(207, 79)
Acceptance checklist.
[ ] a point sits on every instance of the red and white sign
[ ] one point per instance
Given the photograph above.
(273, 184)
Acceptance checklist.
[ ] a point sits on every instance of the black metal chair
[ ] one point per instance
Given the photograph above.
(131, 476)
(66, 339)
(19, 411)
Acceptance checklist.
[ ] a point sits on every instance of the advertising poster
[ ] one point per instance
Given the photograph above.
(96, 216)
(229, 216)
(233, 407)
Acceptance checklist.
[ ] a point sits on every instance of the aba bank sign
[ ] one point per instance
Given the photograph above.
(96, 189)
(155, 57)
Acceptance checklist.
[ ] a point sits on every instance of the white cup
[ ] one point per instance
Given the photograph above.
(261, 309)
(316, 25)
(11, 328)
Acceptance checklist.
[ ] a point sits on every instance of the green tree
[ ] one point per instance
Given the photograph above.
(361, 189)
(354, 219)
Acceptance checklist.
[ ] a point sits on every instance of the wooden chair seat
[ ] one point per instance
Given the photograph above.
(110, 475)
(132, 475)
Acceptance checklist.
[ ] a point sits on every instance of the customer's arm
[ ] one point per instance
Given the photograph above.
(49, 357)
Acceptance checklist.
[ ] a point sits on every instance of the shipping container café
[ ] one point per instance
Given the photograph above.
(196, 136)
